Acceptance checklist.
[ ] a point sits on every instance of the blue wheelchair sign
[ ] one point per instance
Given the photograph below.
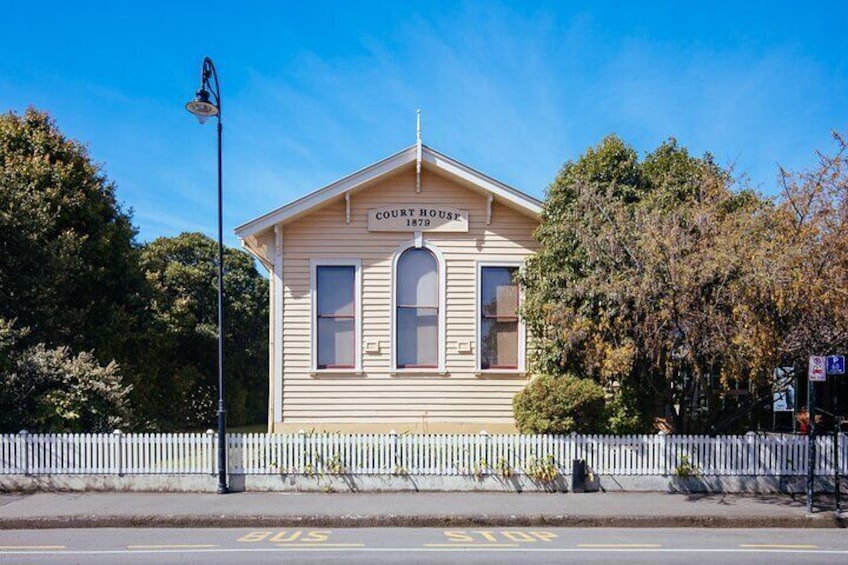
(835, 364)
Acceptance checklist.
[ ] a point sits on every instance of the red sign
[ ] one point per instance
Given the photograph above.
(817, 369)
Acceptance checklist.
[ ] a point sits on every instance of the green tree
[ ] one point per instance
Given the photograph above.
(182, 274)
(68, 264)
(794, 302)
(71, 273)
(633, 285)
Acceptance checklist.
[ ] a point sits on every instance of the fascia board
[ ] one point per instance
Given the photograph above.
(519, 199)
(322, 195)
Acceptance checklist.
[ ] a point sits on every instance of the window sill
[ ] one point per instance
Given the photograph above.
(335, 372)
(434, 372)
(518, 373)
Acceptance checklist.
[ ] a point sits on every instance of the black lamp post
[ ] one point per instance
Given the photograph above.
(204, 108)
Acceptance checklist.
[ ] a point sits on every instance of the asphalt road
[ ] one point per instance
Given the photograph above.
(426, 545)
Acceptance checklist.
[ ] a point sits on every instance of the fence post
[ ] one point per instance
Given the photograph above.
(484, 461)
(210, 438)
(302, 463)
(118, 435)
(753, 458)
(393, 452)
(23, 447)
(664, 435)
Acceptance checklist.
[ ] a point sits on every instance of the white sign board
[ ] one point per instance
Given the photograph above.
(816, 371)
(784, 401)
(784, 391)
(420, 217)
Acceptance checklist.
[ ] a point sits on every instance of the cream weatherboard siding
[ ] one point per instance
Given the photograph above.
(330, 225)
(378, 398)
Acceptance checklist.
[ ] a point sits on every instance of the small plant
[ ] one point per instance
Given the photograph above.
(400, 471)
(335, 465)
(504, 469)
(542, 470)
(481, 469)
(686, 468)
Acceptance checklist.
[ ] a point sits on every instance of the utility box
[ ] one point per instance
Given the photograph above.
(578, 475)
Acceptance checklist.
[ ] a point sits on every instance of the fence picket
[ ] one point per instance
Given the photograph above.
(422, 454)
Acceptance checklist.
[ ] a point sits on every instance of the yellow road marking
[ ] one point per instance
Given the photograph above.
(304, 544)
(176, 546)
(32, 547)
(471, 544)
(618, 545)
(778, 546)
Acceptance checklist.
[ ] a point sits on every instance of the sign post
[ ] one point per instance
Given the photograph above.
(815, 373)
(836, 366)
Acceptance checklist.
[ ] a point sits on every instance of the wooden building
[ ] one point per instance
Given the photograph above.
(393, 303)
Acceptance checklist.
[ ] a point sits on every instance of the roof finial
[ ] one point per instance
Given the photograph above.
(418, 152)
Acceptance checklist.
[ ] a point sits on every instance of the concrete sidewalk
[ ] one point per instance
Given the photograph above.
(64, 510)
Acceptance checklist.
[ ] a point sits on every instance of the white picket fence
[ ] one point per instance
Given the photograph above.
(403, 454)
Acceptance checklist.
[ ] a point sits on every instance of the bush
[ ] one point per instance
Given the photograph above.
(46, 389)
(628, 410)
(559, 405)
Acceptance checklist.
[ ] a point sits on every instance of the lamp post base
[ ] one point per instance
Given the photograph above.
(222, 451)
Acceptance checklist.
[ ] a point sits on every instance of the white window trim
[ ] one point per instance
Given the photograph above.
(522, 331)
(418, 242)
(357, 321)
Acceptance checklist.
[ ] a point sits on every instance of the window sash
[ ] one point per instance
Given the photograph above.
(417, 333)
(499, 343)
(417, 337)
(335, 317)
(499, 327)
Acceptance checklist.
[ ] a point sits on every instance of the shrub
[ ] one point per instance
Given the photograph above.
(627, 413)
(46, 389)
(559, 405)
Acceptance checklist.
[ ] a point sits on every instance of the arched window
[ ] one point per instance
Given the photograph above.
(417, 310)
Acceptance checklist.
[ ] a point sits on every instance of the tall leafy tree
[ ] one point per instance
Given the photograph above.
(182, 274)
(634, 283)
(68, 264)
(85, 296)
(795, 302)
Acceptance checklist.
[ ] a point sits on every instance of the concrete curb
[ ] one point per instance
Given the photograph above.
(820, 520)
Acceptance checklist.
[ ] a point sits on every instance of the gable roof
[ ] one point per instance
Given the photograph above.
(430, 158)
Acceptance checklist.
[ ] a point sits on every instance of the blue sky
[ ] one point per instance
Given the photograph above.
(315, 90)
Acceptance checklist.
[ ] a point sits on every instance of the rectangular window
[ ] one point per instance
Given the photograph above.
(499, 327)
(335, 289)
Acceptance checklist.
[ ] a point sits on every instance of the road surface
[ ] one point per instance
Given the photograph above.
(427, 545)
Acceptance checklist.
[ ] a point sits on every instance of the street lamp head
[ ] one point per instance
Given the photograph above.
(201, 107)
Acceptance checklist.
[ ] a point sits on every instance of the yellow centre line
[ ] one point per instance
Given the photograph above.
(181, 546)
(470, 545)
(777, 546)
(32, 547)
(618, 545)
